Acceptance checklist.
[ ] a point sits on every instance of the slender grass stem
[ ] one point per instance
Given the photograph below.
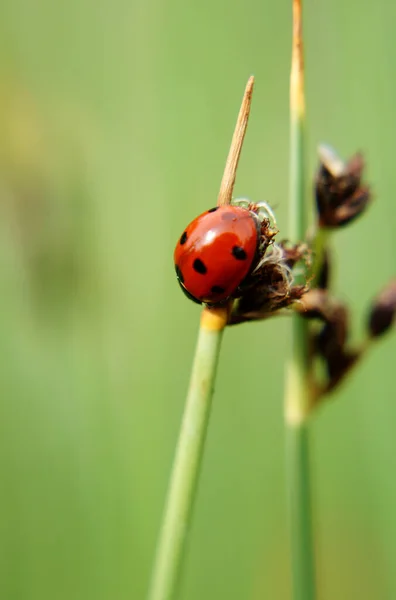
(302, 571)
(320, 243)
(183, 484)
(188, 456)
(298, 392)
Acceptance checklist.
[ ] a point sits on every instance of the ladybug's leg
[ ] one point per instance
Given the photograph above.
(264, 211)
(261, 209)
(242, 202)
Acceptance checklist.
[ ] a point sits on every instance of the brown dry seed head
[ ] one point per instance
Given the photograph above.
(319, 304)
(340, 195)
(382, 313)
(330, 342)
(271, 287)
(332, 339)
(338, 366)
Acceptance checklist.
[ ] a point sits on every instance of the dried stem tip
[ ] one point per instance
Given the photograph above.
(228, 181)
(297, 102)
(383, 311)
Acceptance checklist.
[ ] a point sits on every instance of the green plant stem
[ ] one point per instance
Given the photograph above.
(320, 242)
(298, 468)
(303, 578)
(298, 390)
(177, 517)
(297, 206)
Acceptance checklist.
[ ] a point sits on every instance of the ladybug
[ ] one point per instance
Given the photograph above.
(218, 251)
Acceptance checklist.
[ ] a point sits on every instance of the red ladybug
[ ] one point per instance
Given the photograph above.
(217, 252)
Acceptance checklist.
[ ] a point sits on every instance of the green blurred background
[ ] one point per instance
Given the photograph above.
(115, 122)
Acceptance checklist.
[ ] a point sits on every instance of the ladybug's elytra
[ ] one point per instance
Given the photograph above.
(216, 253)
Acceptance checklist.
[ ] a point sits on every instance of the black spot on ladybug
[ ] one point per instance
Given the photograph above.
(213, 209)
(183, 238)
(199, 266)
(217, 289)
(239, 253)
(179, 274)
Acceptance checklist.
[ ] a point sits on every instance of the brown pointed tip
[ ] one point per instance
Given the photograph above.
(228, 181)
(383, 310)
(250, 83)
(297, 23)
(297, 100)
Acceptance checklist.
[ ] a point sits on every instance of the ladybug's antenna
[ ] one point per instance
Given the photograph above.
(227, 183)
